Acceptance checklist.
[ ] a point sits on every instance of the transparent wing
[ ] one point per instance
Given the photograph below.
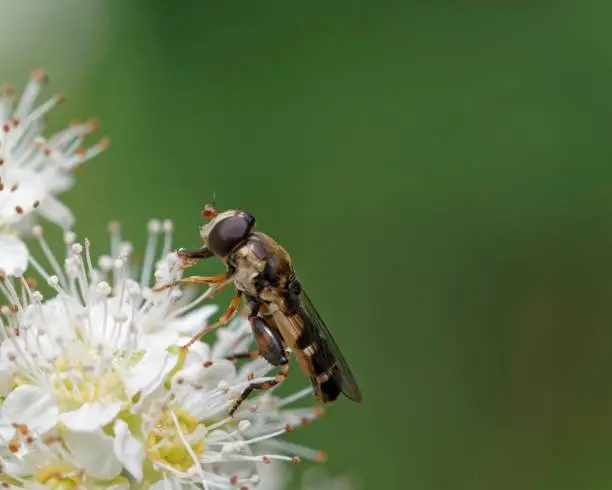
(328, 348)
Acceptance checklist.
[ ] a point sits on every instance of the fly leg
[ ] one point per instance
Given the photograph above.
(244, 355)
(191, 257)
(271, 348)
(218, 279)
(264, 385)
(226, 317)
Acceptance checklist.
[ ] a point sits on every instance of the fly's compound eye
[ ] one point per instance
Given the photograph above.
(229, 233)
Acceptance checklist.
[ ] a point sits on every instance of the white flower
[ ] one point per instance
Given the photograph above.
(277, 477)
(69, 460)
(33, 170)
(102, 359)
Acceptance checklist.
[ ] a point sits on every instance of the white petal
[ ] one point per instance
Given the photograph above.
(191, 323)
(236, 337)
(274, 476)
(13, 254)
(28, 187)
(197, 354)
(207, 401)
(91, 416)
(128, 449)
(168, 484)
(57, 181)
(31, 406)
(56, 212)
(117, 486)
(209, 377)
(93, 451)
(6, 380)
(149, 373)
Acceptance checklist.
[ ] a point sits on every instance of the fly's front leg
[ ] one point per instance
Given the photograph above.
(211, 280)
(191, 257)
(226, 317)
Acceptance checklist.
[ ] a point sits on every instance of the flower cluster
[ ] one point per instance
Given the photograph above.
(95, 389)
(33, 170)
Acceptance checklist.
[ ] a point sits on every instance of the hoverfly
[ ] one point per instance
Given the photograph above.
(279, 311)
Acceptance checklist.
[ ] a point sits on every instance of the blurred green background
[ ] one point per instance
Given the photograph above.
(441, 173)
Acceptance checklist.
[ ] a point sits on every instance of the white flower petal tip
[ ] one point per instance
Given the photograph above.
(94, 454)
(129, 450)
(100, 363)
(90, 416)
(31, 406)
(150, 372)
(35, 169)
(13, 255)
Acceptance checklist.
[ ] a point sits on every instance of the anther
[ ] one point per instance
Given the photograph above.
(120, 317)
(19, 209)
(104, 143)
(53, 281)
(320, 457)
(288, 428)
(14, 446)
(167, 226)
(233, 480)
(207, 364)
(40, 76)
(35, 204)
(265, 460)
(14, 187)
(114, 227)
(69, 238)
(295, 460)
(154, 226)
(8, 90)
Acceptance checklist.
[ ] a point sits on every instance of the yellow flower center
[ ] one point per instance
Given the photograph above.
(78, 384)
(165, 444)
(59, 477)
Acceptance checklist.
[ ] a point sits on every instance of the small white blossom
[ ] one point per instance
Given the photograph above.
(34, 170)
(101, 360)
(277, 477)
(73, 460)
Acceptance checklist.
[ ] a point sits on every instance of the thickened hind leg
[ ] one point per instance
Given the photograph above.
(265, 385)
